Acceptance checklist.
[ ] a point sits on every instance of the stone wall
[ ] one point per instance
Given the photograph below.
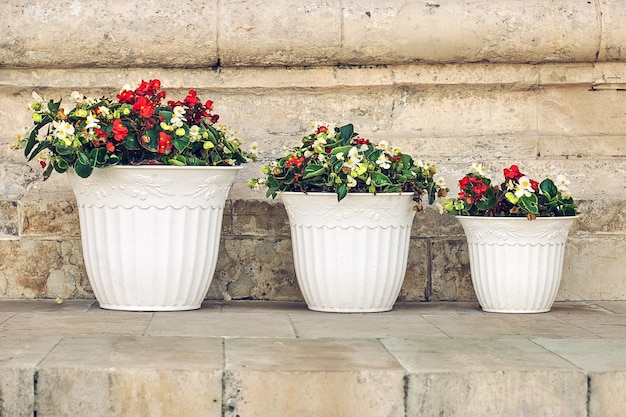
(530, 82)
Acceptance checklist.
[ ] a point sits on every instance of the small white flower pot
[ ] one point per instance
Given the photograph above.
(151, 234)
(350, 256)
(516, 263)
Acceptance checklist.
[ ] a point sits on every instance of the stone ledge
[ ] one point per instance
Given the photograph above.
(315, 32)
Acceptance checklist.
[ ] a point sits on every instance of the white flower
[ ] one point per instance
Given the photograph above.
(523, 188)
(176, 121)
(478, 169)
(178, 111)
(104, 110)
(383, 161)
(254, 148)
(194, 131)
(566, 194)
(439, 206)
(340, 156)
(354, 153)
(92, 122)
(384, 146)
(77, 97)
(440, 181)
(351, 182)
(62, 129)
(562, 183)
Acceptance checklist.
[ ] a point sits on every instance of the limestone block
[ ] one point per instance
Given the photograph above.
(42, 268)
(121, 33)
(513, 31)
(290, 33)
(605, 361)
(504, 377)
(415, 285)
(582, 146)
(449, 111)
(593, 269)
(613, 32)
(49, 215)
(18, 358)
(257, 268)
(321, 377)
(260, 218)
(9, 218)
(138, 376)
(579, 111)
(430, 223)
(450, 271)
(602, 216)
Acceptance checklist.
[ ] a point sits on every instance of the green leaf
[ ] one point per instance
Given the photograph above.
(347, 133)
(488, 200)
(342, 191)
(313, 171)
(181, 142)
(98, 155)
(380, 179)
(530, 204)
(83, 170)
(153, 142)
(344, 149)
(131, 142)
(548, 188)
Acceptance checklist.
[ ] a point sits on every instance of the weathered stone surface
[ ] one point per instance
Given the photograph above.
(328, 377)
(9, 218)
(496, 379)
(606, 363)
(593, 269)
(469, 32)
(250, 33)
(450, 271)
(42, 268)
(138, 376)
(121, 34)
(415, 285)
(260, 218)
(18, 358)
(47, 216)
(255, 268)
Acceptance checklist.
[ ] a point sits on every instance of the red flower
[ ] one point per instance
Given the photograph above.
(144, 107)
(165, 143)
(361, 141)
(126, 96)
(110, 147)
(534, 184)
(101, 133)
(209, 104)
(119, 131)
(42, 163)
(322, 129)
(191, 99)
(294, 161)
(512, 173)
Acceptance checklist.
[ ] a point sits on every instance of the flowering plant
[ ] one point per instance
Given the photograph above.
(338, 160)
(136, 129)
(518, 195)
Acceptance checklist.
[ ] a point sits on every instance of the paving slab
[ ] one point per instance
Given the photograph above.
(221, 324)
(377, 325)
(496, 377)
(605, 362)
(45, 306)
(311, 377)
(88, 323)
(19, 357)
(107, 376)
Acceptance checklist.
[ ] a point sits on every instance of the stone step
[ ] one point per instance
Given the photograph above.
(280, 359)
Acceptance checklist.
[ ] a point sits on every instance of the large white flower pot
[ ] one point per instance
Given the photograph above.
(516, 263)
(151, 234)
(350, 256)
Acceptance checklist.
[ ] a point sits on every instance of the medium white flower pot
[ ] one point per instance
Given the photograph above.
(350, 256)
(516, 263)
(151, 234)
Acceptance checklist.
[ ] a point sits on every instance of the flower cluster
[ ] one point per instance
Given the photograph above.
(518, 195)
(136, 129)
(338, 160)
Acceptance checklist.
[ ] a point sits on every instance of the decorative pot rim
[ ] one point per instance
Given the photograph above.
(173, 167)
(318, 193)
(512, 218)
